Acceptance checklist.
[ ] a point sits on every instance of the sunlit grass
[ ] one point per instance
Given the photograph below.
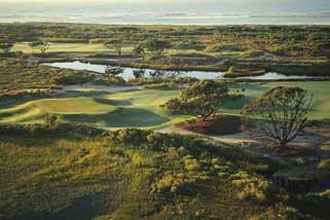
(74, 106)
(141, 108)
(69, 47)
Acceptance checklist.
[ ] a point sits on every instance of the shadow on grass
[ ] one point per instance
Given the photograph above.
(113, 102)
(237, 104)
(249, 86)
(123, 117)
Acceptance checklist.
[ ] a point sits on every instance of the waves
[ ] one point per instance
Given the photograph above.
(109, 16)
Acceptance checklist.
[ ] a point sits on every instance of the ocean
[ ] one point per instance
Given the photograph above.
(199, 12)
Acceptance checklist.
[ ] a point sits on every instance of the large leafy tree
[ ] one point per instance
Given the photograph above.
(43, 46)
(202, 99)
(139, 51)
(117, 44)
(280, 114)
(157, 47)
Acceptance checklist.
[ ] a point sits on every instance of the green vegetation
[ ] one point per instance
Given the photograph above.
(203, 99)
(6, 47)
(64, 47)
(131, 174)
(257, 48)
(280, 114)
(116, 44)
(70, 147)
(137, 107)
(15, 75)
(43, 46)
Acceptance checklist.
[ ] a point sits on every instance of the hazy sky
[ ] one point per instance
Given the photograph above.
(171, 1)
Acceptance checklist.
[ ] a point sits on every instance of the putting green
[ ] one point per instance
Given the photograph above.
(75, 106)
(141, 107)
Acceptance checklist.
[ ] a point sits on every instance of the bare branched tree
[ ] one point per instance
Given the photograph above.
(280, 114)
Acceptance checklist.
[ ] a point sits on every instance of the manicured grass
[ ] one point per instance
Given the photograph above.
(75, 106)
(319, 90)
(35, 110)
(141, 108)
(68, 47)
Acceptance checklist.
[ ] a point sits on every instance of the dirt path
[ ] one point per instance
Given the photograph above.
(252, 146)
(246, 140)
(238, 138)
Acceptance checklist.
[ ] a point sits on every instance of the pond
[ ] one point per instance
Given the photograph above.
(128, 72)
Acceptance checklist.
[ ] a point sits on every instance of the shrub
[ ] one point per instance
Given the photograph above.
(73, 79)
(325, 194)
(251, 188)
(50, 120)
(254, 53)
(191, 164)
(224, 47)
(324, 164)
(163, 86)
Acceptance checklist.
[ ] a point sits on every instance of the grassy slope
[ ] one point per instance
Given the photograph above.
(140, 108)
(75, 105)
(33, 169)
(57, 176)
(319, 90)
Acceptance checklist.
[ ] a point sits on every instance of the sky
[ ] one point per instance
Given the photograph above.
(319, 4)
(167, 1)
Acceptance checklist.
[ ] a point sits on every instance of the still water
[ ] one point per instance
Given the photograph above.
(128, 72)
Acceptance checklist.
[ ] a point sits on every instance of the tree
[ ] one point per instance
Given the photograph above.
(50, 120)
(158, 47)
(117, 45)
(139, 73)
(202, 99)
(280, 114)
(43, 46)
(176, 73)
(217, 37)
(6, 47)
(157, 74)
(114, 71)
(139, 51)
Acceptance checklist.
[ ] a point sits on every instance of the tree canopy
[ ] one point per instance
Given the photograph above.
(157, 47)
(117, 44)
(6, 47)
(202, 99)
(280, 114)
(43, 46)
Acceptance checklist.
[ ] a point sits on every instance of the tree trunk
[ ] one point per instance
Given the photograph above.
(282, 147)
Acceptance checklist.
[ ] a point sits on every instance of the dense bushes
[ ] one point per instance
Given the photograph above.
(154, 174)
(202, 99)
(24, 92)
(49, 128)
(15, 75)
(74, 79)
(163, 86)
(224, 47)
(324, 164)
